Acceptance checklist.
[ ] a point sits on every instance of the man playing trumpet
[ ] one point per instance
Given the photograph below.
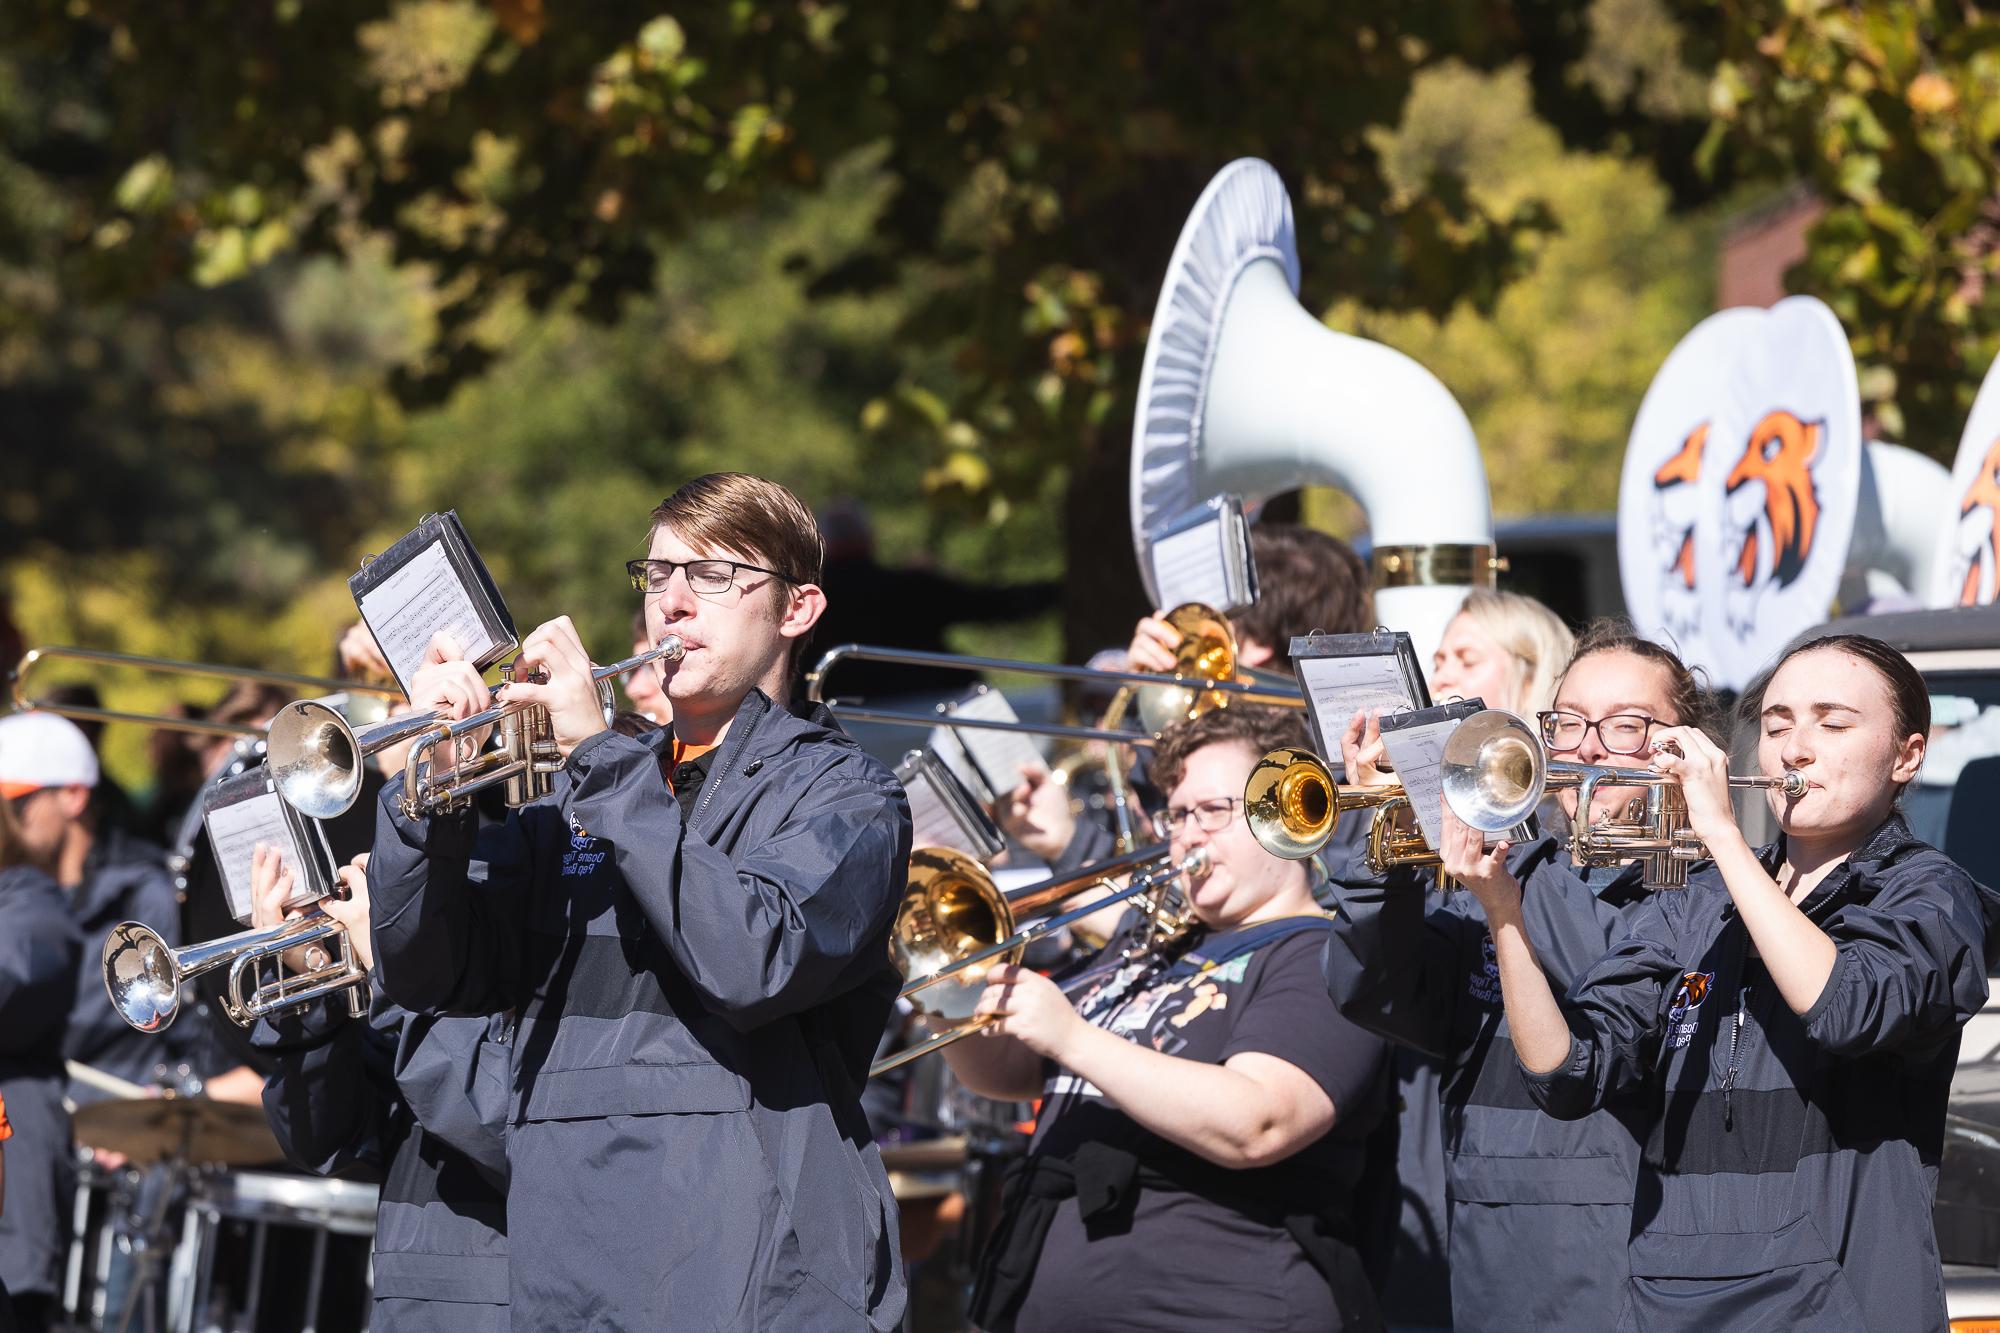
(692, 934)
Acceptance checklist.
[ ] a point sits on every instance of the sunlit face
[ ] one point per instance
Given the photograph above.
(1241, 877)
(1605, 685)
(1829, 714)
(733, 639)
(1471, 664)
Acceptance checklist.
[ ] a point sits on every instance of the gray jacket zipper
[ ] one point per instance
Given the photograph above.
(1729, 1079)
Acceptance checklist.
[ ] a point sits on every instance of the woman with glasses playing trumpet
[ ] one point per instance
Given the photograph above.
(1539, 1210)
(1794, 1013)
(1203, 1107)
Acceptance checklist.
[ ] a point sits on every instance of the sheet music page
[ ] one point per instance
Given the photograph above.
(1416, 752)
(1337, 686)
(932, 824)
(417, 601)
(234, 830)
(1192, 566)
(998, 755)
(943, 743)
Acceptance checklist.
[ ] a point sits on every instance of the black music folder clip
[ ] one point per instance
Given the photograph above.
(432, 580)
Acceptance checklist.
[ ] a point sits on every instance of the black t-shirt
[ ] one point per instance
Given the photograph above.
(1187, 1259)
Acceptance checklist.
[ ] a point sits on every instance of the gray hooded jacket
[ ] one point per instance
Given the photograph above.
(1540, 1210)
(419, 1104)
(1788, 1177)
(698, 1000)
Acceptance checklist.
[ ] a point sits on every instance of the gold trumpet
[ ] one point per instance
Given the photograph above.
(143, 975)
(363, 701)
(1293, 806)
(955, 927)
(1496, 771)
(1205, 676)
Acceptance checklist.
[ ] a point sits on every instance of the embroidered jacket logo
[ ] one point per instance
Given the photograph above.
(1682, 1015)
(580, 859)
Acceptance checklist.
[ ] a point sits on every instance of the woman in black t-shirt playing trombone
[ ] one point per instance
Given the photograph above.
(1203, 1109)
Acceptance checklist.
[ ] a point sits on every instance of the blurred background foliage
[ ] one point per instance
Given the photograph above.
(276, 280)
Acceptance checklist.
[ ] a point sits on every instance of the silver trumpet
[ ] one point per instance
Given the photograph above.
(143, 975)
(1495, 773)
(316, 754)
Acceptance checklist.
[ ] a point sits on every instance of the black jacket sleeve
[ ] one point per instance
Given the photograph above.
(329, 1101)
(446, 926)
(1615, 1012)
(40, 952)
(796, 918)
(1911, 961)
(1394, 967)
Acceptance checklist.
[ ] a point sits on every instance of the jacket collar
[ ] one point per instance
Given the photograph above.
(760, 730)
(1852, 879)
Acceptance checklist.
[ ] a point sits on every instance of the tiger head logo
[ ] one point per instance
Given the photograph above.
(1675, 504)
(1773, 509)
(1686, 1005)
(1977, 549)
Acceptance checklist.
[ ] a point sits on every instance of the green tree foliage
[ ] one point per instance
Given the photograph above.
(1552, 378)
(1039, 159)
(1890, 113)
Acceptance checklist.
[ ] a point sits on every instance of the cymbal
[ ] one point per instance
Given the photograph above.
(194, 1129)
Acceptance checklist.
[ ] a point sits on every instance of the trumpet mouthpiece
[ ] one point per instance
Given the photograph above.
(1793, 783)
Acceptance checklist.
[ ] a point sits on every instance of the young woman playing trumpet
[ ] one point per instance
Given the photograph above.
(1793, 1015)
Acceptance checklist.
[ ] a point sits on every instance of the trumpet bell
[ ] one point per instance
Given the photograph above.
(141, 976)
(314, 758)
(1207, 652)
(951, 909)
(1291, 804)
(1493, 770)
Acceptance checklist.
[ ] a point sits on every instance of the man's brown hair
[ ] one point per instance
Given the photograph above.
(1260, 727)
(734, 511)
(1306, 580)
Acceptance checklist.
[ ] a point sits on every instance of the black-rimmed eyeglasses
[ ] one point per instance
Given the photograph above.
(1621, 733)
(707, 577)
(1210, 816)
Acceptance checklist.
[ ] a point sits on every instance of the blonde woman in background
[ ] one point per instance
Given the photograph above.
(1503, 648)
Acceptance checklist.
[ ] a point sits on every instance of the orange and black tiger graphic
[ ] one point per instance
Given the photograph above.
(1773, 509)
(1978, 546)
(1683, 469)
(1676, 501)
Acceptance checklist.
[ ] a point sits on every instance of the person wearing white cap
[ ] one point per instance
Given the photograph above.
(39, 952)
(49, 773)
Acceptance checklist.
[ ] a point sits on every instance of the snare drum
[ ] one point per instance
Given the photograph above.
(281, 1252)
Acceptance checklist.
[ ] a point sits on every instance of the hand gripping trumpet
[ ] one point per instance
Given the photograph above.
(955, 927)
(316, 755)
(1495, 773)
(143, 975)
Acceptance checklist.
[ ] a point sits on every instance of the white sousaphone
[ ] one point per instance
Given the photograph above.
(1245, 391)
